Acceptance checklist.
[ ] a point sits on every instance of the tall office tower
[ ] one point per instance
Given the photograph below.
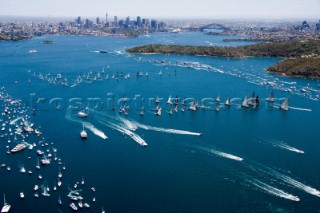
(154, 24)
(78, 20)
(115, 21)
(128, 21)
(106, 18)
(139, 21)
(98, 20)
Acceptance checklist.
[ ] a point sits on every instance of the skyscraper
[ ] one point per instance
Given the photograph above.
(78, 20)
(154, 24)
(139, 21)
(115, 21)
(98, 20)
(106, 18)
(128, 21)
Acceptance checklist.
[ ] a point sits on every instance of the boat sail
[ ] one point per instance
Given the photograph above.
(228, 103)
(6, 207)
(193, 106)
(285, 105)
(169, 100)
(158, 113)
(218, 98)
(271, 97)
(251, 101)
(245, 102)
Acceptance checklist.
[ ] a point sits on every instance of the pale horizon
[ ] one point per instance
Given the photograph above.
(201, 9)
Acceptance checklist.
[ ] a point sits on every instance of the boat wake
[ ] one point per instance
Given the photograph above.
(301, 109)
(293, 182)
(123, 130)
(133, 125)
(172, 131)
(284, 178)
(94, 130)
(219, 153)
(89, 126)
(128, 124)
(272, 190)
(285, 146)
(226, 155)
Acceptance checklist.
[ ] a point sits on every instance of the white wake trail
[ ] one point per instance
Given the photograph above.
(94, 130)
(285, 146)
(89, 126)
(219, 153)
(128, 124)
(133, 125)
(272, 190)
(172, 131)
(134, 136)
(226, 155)
(289, 180)
(301, 109)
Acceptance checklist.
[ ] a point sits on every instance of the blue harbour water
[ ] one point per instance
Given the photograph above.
(245, 160)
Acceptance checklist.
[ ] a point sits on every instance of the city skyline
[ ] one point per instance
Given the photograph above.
(245, 9)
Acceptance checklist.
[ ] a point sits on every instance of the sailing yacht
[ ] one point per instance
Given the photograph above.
(157, 100)
(6, 207)
(59, 201)
(83, 133)
(82, 181)
(158, 113)
(251, 101)
(218, 99)
(193, 106)
(271, 97)
(245, 103)
(285, 105)
(169, 100)
(59, 173)
(228, 103)
(38, 164)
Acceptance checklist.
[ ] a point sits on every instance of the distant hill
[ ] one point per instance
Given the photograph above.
(296, 50)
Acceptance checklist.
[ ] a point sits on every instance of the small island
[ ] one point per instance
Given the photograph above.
(301, 58)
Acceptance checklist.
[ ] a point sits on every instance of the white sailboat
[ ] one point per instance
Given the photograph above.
(193, 106)
(83, 133)
(82, 181)
(271, 97)
(38, 164)
(228, 103)
(158, 113)
(285, 105)
(6, 207)
(245, 102)
(169, 100)
(218, 99)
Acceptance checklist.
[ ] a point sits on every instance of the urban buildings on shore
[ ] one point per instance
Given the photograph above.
(133, 27)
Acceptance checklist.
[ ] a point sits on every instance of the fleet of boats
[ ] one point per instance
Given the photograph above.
(17, 129)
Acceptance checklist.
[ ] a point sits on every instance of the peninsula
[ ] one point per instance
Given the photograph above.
(301, 58)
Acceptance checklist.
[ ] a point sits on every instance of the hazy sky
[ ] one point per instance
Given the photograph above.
(164, 8)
